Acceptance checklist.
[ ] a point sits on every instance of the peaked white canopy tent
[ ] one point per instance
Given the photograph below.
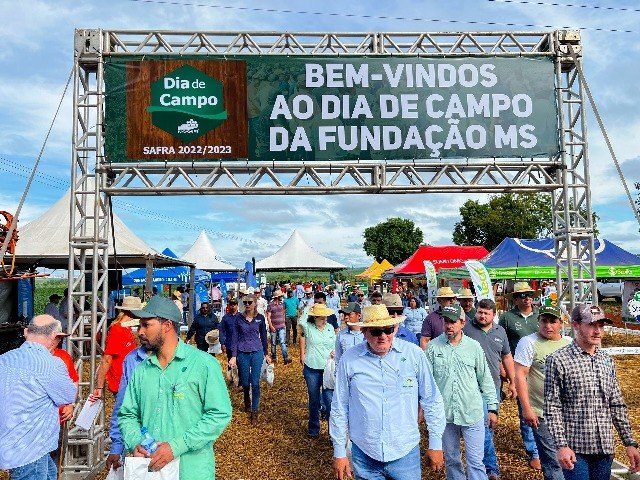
(204, 256)
(44, 242)
(297, 255)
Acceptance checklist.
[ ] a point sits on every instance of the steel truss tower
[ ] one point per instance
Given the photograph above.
(94, 179)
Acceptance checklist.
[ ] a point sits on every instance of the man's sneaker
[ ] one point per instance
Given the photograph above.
(493, 476)
(288, 361)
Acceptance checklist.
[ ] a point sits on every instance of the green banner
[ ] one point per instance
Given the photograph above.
(329, 108)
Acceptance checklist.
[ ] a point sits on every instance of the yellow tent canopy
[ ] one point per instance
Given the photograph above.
(384, 265)
(367, 272)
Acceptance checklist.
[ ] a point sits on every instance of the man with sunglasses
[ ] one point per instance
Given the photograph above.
(520, 321)
(463, 376)
(530, 357)
(583, 402)
(384, 379)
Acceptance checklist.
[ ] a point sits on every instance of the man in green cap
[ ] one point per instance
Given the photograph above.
(531, 354)
(178, 393)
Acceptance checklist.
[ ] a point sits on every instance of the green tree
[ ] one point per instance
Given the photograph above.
(525, 215)
(396, 239)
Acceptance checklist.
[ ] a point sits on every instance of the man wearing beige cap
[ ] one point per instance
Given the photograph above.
(520, 321)
(583, 402)
(433, 325)
(384, 380)
(119, 342)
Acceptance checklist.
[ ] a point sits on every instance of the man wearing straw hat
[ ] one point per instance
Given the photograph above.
(466, 299)
(384, 380)
(520, 321)
(433, 325)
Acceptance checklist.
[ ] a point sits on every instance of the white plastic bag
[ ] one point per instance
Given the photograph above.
(267, 372)
(137, 468)
(329, 374)
(115, 474)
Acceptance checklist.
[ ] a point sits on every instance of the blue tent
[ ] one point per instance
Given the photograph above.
(517, 258)
(168, 275)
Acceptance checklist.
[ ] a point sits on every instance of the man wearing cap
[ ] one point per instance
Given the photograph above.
(393, 302)
(306, 301)
(333, 300)
(52, 307)
(261, 303)
(520, 321)
(202, 324)
(531, 354)
(467, 299)
(33, 384)
(383, 381)
(277, 326)
(227, 324)
(463, 376)
(119, 342)
(178, 393)
(583, 402)
(433, 325)
(350, 335)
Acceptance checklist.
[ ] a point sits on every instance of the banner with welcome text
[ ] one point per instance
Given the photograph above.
(309, 108)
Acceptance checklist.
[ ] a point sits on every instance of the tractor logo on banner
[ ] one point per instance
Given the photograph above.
(187, 103)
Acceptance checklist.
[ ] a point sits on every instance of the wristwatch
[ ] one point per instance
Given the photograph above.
(632, 444)
(495, 412)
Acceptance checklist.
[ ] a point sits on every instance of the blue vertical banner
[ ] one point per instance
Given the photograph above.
(25, 299)
(251, 277)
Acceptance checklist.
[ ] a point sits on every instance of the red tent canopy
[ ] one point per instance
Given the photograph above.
(452, 256)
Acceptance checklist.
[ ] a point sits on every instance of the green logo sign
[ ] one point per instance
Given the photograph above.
(187, 103)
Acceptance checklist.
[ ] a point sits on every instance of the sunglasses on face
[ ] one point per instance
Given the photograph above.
(524, 295)
(248, 303)
(448, 320)
(377, 332)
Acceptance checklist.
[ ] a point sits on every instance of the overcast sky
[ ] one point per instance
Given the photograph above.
(36, 57)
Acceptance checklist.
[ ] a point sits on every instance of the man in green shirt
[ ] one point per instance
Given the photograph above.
(462, 374)
(520, 321)
(178, 393)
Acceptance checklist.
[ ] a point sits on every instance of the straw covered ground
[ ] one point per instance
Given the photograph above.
(278, 447)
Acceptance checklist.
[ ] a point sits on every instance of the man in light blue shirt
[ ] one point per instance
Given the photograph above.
(333, 300)
(379, 385)
(131, 361)
(462, 374)
(33, 384)
(351, 335)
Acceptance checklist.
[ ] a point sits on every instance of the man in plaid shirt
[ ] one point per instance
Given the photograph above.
(583, 402)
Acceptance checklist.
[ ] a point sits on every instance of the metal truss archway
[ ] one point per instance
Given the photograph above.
(566, 176)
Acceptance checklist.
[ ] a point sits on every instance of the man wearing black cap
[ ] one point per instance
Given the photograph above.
(177, 393)
(583, 402)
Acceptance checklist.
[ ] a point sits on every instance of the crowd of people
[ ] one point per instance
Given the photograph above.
(375, 365)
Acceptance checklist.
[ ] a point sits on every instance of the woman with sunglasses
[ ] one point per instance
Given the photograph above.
(249, 347)
(316, 346)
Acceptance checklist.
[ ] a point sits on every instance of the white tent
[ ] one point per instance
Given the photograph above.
(203, 255)
(44, 242)
(296, 254)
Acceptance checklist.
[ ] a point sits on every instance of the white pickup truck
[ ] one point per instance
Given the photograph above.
(610, 288)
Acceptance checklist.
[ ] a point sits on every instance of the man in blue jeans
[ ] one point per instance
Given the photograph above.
(583, 402)
(383, 380)
(493, 340)
(531, 353)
